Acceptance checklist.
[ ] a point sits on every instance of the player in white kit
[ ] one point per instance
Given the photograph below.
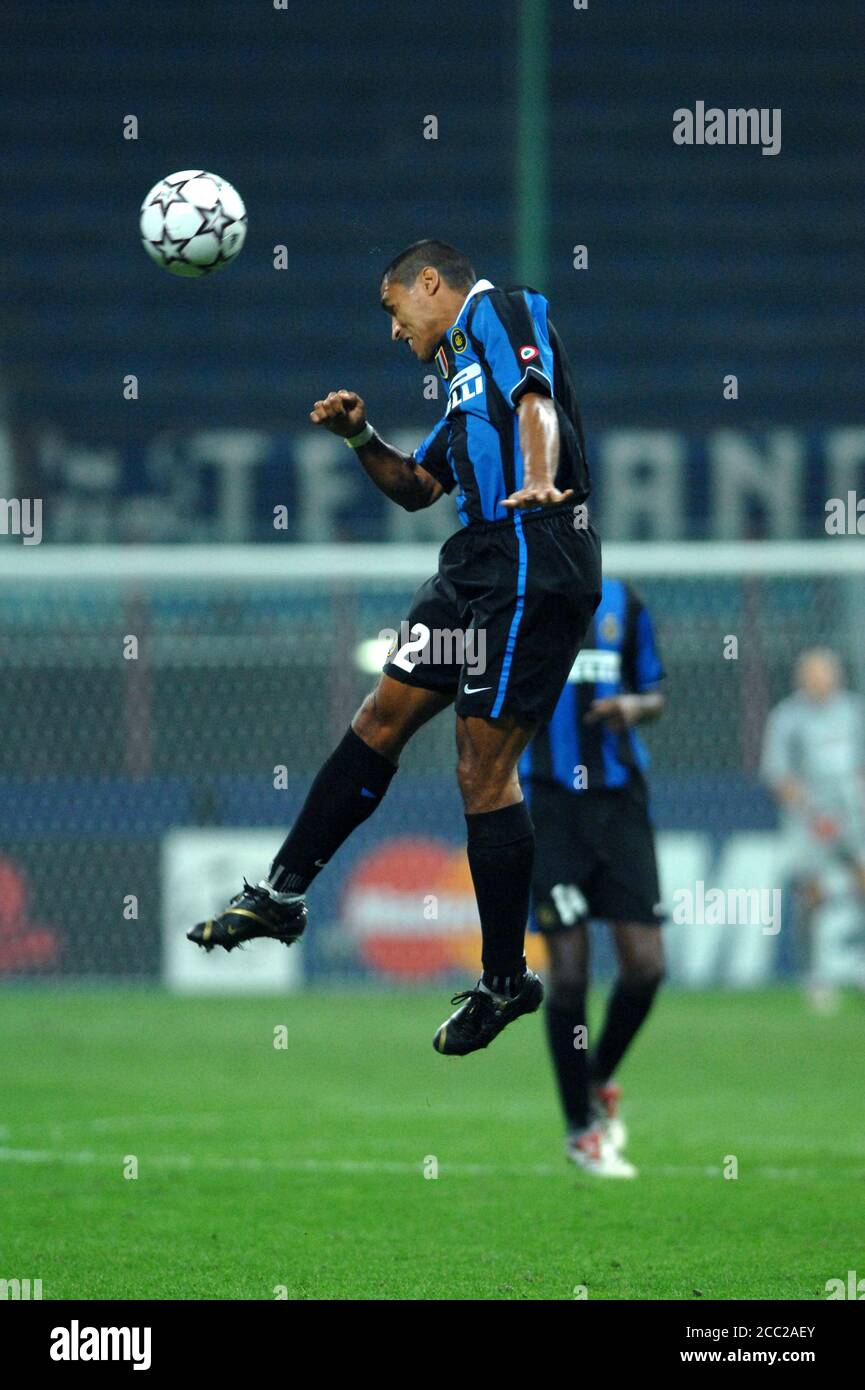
(814, 763)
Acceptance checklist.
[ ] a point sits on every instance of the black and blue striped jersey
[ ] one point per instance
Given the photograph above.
(500, 346)
(619, 656)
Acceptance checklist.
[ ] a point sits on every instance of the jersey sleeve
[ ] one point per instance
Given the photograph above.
(510, 331)
(776, 762)
(432, 455)
(859, 732)
(647, 669)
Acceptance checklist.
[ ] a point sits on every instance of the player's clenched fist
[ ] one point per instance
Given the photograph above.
(341, 412)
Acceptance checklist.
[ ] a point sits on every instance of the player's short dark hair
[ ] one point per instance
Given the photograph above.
(452, 265)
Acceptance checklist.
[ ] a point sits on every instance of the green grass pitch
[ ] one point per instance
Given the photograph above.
(302, 1167)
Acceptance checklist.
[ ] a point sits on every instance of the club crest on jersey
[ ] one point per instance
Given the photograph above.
(609, 628)
(528, 354)
(459, 341)
(442, 362)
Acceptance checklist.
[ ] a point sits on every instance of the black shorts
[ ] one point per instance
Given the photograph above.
(500, 625)
(594, 857)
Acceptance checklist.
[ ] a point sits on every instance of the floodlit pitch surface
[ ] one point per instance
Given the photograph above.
(301, 1169)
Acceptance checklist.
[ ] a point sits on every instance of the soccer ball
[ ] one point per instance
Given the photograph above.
(193, 222)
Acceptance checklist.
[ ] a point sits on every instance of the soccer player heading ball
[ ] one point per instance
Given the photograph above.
(524, 570)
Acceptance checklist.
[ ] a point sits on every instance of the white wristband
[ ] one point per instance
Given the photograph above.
(357, 441)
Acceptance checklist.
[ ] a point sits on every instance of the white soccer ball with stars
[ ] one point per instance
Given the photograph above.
(193, 223)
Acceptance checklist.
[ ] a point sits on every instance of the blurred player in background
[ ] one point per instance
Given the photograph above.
(596, 858)
(814, 763)
(523, 572)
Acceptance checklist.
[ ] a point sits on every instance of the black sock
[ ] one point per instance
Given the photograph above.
(626, 1010)
(501, 849)
(345, 793)
(564, 1015)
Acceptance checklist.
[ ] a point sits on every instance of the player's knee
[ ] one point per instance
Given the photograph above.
(640, 955)
(484, 783)
(643, 974)
(567, 971)
(567, 979)
(566, 991)
(369, 718)
(470, 775)
(379, 725)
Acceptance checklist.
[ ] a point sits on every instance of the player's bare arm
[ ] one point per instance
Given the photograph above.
(539, 441)
(393, 472)
(621, 712)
